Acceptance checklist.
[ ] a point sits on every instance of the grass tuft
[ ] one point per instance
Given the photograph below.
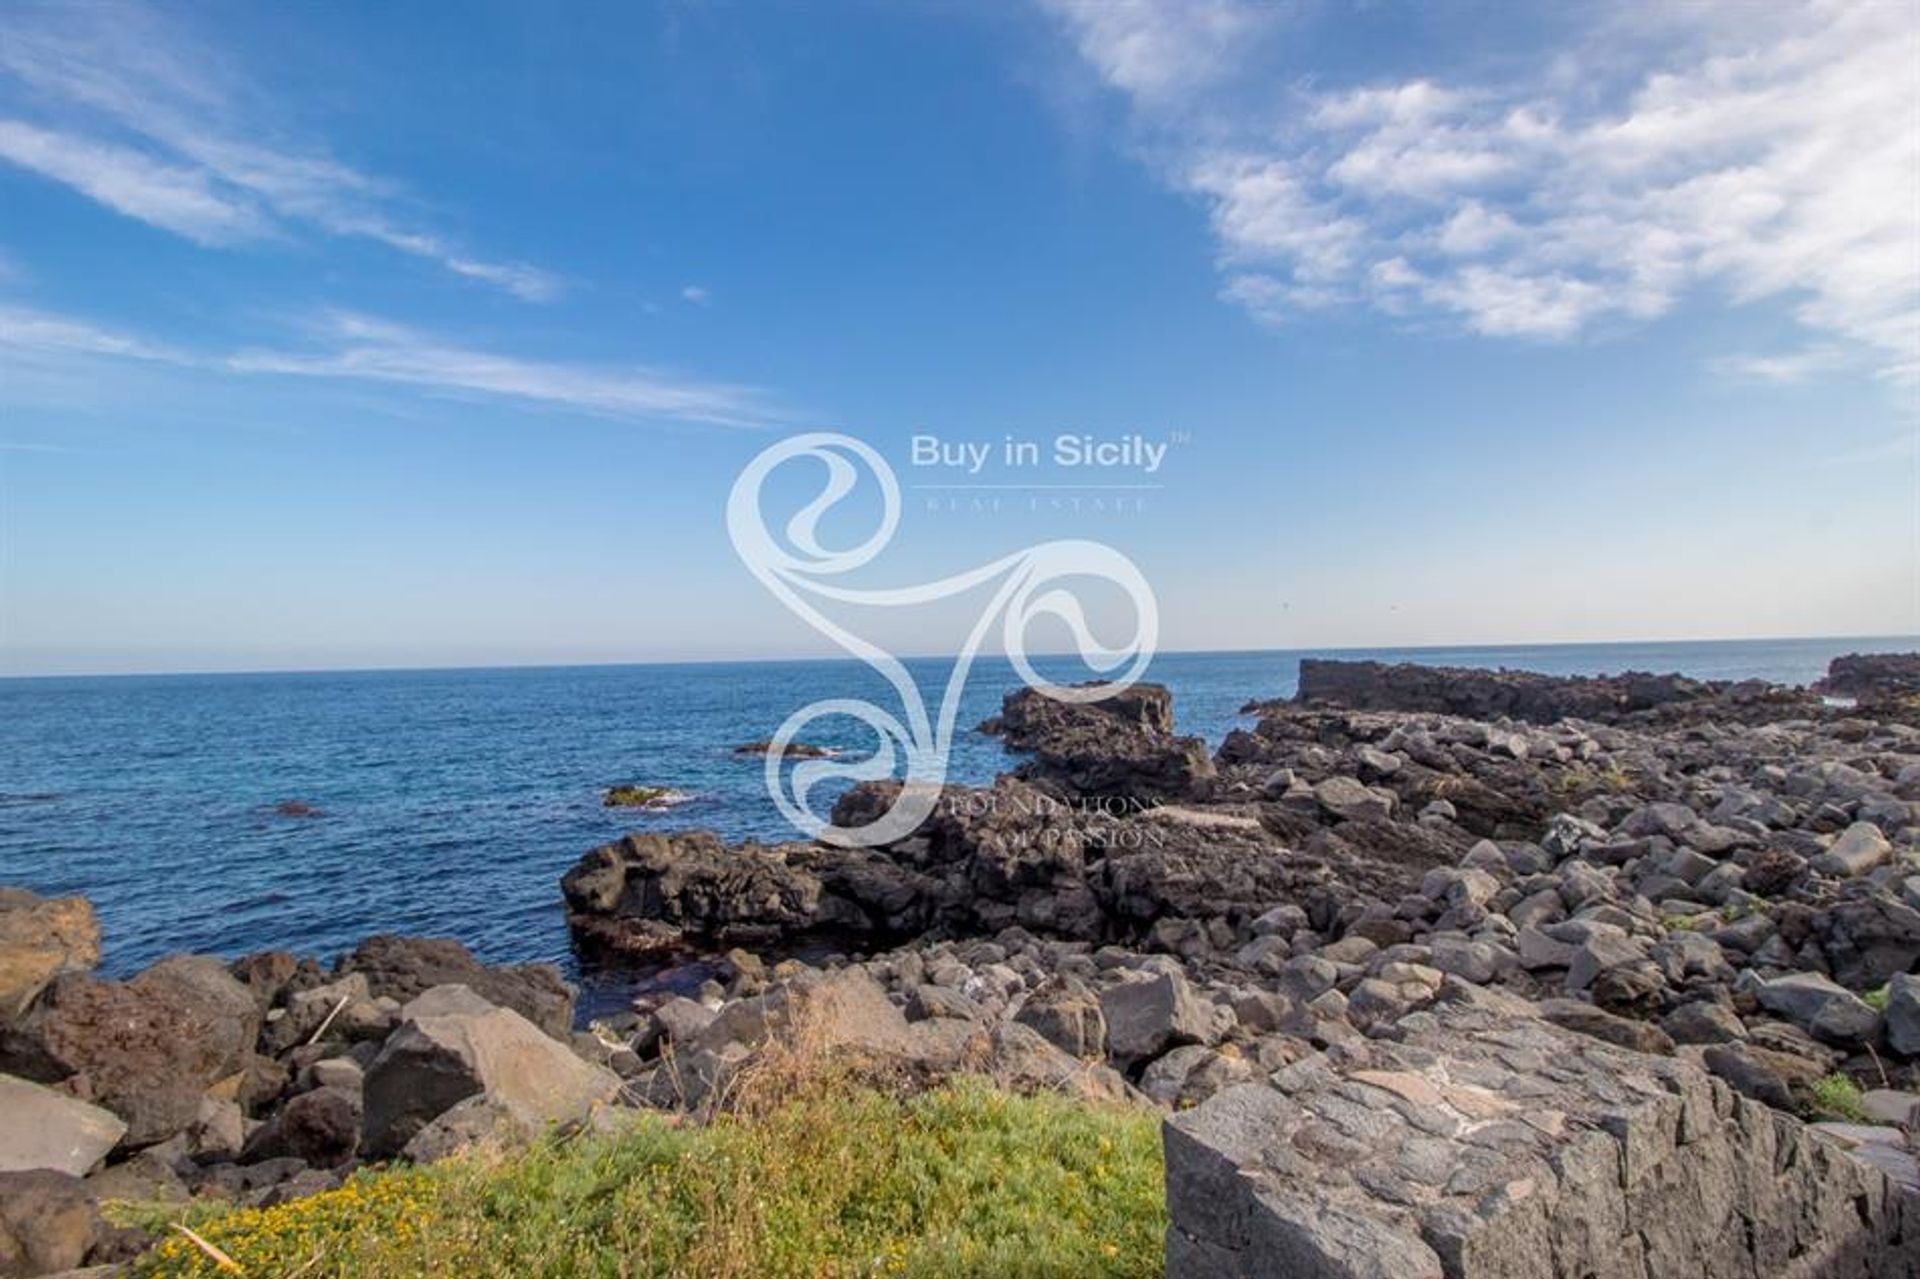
(1838, 1097)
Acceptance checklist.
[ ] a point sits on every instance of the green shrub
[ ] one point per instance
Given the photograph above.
(847, 1181)
(1838, 1097)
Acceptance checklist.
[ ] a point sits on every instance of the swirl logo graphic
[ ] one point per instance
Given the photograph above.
(798, 570)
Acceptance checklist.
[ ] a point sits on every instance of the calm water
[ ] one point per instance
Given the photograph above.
(450, 802)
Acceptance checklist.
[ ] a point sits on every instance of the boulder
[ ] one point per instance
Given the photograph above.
(1855, 851)
(1068, 1016)
(1020, 1059)
(1144, 1018)
(843, 1012)
(49, 1221)
(1346, 797)
(1903, 1014)
(1816, 1004)
(40, 938)
(148, 1177)
(431, 1063)
(1703, 1021)
(144, 1049)
(320, 1128)
(680, 1020)
(307, 1011)
(402, 967)
(1622, 1031)
(41, 1128)
(1751, 1072)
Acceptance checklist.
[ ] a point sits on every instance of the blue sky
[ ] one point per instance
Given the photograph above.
(382, 335)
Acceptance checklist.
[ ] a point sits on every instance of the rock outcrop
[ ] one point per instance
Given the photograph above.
(41, 938)
(1539, 699)
(1873, 679)
(1480, 1144)
(1121, 751)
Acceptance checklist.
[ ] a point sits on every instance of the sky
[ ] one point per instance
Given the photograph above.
(368, 335)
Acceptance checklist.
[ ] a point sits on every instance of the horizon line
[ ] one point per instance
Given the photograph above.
(1509, 645)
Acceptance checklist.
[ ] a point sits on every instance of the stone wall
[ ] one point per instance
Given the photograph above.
(1482, 1143)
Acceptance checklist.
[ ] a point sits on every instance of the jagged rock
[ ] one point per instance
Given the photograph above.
(148, 1177)
(1622, 1031)
(1121, 748)
(434, 1062)
(1855, 851)
(1703, 1021)
(1068, 1016)
(1020, 1059)
(40, 938)
(681, 1020)
(48, 1129)
(1751, 1072)
(144, 1049)
(320, 1128)
(1872, 677)
(401, 967)
(1347, 797)
(1827, 1011)
(49, 1221)
(940, 1001)
(1486, 1145)
(1146, 1017)
(1903, 1014)
(308, 1010)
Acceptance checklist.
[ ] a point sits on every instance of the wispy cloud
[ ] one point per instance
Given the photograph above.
(1767, 153)
(134, 114)
(1786, 367)
(356, 348)
(26, 331)
(698, 294)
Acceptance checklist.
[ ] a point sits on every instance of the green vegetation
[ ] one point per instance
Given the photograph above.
(1577, 779)
(833, 1179)
(1838, 1097)
(635, 796)
(1877, 999)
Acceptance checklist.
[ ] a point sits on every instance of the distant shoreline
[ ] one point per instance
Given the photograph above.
(1406, 652)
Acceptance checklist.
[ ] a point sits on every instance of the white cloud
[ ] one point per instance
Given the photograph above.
(1784, 368)
(698, 294)
(26, 331)
(357, 348)
(135, 116)
(1767, 154)
(1155, 49)
(184, 201)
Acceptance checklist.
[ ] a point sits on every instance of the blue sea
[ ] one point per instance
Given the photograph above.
(449, 802)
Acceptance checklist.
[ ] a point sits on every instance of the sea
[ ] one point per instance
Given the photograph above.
(304, 811)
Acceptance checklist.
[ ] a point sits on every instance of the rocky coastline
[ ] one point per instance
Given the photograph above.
(1401, 960)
